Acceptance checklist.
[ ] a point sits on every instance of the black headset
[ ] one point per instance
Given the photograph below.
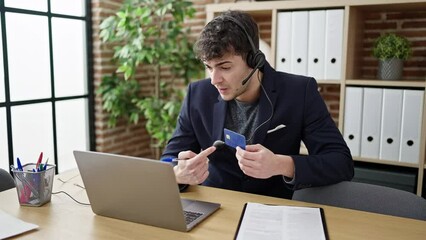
(255, 58)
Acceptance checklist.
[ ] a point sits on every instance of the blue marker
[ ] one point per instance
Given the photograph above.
(19, 164)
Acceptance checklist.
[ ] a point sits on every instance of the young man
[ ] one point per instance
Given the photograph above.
(275, 111)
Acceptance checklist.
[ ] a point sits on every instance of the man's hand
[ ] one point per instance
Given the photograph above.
(259, 162)
(193, 168)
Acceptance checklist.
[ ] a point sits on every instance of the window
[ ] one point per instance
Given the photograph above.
(46, 97)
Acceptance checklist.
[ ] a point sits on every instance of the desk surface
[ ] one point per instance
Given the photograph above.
(63, 218)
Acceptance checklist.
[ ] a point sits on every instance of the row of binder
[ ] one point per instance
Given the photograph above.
(310, 43)
(383, 123)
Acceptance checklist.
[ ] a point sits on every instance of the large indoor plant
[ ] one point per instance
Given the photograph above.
(391, 50)
(152, 35)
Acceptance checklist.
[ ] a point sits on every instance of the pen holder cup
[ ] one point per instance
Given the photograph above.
(34, 188)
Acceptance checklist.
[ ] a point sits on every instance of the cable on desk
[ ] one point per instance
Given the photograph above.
(65, 181)
(86, 204)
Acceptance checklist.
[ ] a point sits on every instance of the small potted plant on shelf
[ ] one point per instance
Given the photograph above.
(391, 50)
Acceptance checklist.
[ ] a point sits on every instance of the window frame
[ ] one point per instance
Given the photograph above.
(89, 96)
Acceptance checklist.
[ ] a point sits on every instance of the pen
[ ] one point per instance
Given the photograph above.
(45, 164)
(170, 160)
(19, 164)
(39, 160)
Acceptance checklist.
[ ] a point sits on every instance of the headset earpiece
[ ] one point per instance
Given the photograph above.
(255, 58)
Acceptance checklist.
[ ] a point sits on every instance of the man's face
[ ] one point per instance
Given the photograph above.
(226, 75)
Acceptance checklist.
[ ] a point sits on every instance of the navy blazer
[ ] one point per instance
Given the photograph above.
(297, 104)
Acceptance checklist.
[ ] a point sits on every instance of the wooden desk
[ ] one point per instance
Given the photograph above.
(63, 218)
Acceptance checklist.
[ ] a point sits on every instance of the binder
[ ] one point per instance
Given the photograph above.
(411, 126)
(299, 42)
(316, 43)
(353, 118)
(371, 121)
(283, 52)
(391, 124)
(334, 44)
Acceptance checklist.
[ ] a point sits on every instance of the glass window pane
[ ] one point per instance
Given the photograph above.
(68, 7)
(28, 52)
(2, 93)
(32, 132)
(4, 152)
(69, 56)
(72, 131)
(37, 5)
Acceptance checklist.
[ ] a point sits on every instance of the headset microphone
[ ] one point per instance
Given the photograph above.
(219, 144)
(248, 77)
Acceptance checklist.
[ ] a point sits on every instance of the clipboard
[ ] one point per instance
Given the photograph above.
(244, 215)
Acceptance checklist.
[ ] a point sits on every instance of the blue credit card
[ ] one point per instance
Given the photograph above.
(234, 139)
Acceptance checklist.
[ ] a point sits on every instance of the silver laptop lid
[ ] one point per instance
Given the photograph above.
(133, 189)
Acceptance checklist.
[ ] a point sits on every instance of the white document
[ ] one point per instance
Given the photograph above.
(334, 44)
(283, 54)
(353, 119)
(316, 43)
(391, 124)
(12, 226)
(371, 121)
(411, 126)
(268, 222)
(299, 42)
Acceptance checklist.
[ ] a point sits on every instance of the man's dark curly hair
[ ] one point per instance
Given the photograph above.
(222, 35)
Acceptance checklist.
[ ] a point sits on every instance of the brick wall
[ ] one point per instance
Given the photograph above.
(331, 95)
(125, 138)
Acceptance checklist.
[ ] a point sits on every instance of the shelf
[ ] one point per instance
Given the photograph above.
(388, 5)
(369, 21)
(337, 82)
(309, 4)
(386, 162)
(304, 151)
(384, 83)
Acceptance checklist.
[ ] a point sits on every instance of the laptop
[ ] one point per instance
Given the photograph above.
(138, 190)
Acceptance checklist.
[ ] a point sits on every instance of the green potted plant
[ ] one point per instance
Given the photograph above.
(391, 50)
(149, 34)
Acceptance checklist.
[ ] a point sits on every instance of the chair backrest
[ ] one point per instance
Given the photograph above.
(366, 197)
(6, 180)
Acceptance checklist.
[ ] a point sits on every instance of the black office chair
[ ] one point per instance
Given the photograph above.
(6, 180)
(366, 197)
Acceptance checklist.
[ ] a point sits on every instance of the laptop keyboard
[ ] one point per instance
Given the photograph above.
(191, 216)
